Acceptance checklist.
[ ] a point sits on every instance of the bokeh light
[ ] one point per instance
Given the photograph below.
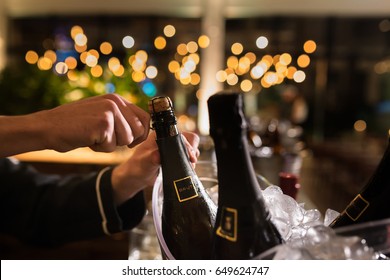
(303, 60)
(105, 48)
(44, 63)
(169, 30)
(195, 79)
(160, 43)
(149, 89)
(246, 85)
(299, 76)
(61, 68)
(309, 46)
(182, 49)
(192, 47)
(173, 66)
(285, 59)
(31, 57)
(221, 76)
(75, 30)
(128, 42)
(203, 41)
(97, 71)
(80, 39)
(262, 42)
(51, 55)
(71, 62)
(360, 125)
(237, 48)
(151, 72)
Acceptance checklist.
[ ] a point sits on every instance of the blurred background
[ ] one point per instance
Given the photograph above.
(315, 76)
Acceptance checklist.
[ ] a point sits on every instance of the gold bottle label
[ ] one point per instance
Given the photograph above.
(228, 225)
(185, 189)
(356, 208)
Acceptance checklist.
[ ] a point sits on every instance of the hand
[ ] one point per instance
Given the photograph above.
(141, 169)
(101, 123)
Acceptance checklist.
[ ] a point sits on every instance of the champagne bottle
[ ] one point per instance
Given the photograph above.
(243, 227)
(188, 213)
(372, 202)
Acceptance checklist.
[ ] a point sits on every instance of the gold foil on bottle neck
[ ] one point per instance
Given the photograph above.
(160, 104)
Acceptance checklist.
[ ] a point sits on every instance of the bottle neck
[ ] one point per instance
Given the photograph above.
(230, 142)
(165, 124)
(164, 131)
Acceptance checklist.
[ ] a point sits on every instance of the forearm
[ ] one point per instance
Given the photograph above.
(81, 208)
(19, 134)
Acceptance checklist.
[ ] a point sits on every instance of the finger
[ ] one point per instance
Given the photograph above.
(89, 99)
(192, 152)
(124, 131)
(106, 144)
(192, 138)
(132, 122)
(143, 123)
(155, 157)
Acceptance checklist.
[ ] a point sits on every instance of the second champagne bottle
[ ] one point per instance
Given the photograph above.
(243, 227)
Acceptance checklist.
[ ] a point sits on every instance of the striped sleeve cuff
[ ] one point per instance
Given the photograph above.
(100, 201)
(115, 219)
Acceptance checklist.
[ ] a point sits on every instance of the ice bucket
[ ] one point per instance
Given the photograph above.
(375, 233)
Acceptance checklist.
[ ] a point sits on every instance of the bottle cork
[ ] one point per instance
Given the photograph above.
(160, 104)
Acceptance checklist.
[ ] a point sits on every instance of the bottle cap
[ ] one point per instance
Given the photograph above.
(226, 111)
(160, 104)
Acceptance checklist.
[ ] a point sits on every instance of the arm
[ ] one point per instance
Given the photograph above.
(47, 209)
(101, 123)
(50, 210)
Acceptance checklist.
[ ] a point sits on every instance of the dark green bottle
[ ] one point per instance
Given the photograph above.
(188, 213)
(243, 228)
(373, 201)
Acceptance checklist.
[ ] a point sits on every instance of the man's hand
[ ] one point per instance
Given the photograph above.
(101, 123)
(141, 169)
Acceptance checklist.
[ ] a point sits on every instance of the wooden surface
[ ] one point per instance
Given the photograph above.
(77, 156)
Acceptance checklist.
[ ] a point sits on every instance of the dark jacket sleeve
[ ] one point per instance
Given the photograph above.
(50, 210)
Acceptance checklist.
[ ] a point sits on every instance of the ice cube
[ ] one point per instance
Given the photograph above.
(292, 253)
(283, 227)
(330, 215)
(312, 217)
